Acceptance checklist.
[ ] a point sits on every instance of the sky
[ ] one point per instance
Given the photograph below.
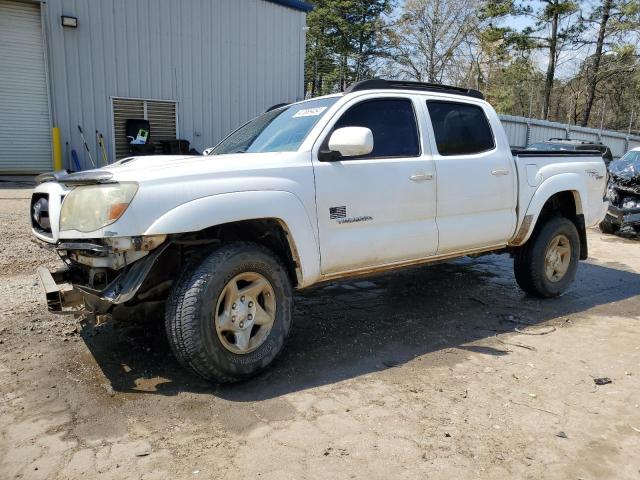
(569, 60)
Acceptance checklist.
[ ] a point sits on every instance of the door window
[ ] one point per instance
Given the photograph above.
(392, 122)
(460, 128)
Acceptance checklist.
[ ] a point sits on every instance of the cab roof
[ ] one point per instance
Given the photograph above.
(382, 84)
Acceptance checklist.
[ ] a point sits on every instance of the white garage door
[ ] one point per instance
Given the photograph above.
(25, 135)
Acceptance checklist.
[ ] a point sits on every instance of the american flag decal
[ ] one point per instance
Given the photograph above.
(337, 212)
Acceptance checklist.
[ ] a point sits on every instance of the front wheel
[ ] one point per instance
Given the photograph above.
(228, 318)
(546, 265)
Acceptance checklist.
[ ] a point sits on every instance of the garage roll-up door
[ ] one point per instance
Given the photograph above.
(25, 135)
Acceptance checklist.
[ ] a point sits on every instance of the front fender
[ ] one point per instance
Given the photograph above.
(215, 210)
(565, 182)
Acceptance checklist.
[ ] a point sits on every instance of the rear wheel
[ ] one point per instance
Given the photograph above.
(546, 265)
(228, 318)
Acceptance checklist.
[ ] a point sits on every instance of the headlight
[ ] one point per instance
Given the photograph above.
(91, 207)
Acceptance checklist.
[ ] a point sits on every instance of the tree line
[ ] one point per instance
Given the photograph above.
(562, 60)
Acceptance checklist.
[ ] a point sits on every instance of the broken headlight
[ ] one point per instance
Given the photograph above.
(91, 207)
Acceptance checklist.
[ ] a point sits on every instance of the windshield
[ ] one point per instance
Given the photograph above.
(280, 130)
(627, 167)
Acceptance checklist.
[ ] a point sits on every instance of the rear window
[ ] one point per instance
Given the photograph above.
(460, 128)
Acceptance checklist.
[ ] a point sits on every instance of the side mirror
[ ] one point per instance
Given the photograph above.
(351, 141)
(207, 151)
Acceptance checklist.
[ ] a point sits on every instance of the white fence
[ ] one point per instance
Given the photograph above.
(523, 131)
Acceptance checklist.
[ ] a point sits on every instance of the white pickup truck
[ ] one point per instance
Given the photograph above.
(385, 175)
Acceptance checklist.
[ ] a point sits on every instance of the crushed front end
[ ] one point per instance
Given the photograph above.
(100, 274)
(69, 214)
(623, 193)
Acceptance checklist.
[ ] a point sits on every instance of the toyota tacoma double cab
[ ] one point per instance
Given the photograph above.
(384, 175)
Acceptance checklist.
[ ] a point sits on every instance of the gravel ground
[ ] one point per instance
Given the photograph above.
(411, 375)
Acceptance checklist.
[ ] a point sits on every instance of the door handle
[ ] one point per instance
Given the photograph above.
(499, 172)
(421, 177)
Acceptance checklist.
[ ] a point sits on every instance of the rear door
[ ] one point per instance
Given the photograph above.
(475, 178)
(379, 208)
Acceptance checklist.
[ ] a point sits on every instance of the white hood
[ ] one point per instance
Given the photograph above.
(171, 167)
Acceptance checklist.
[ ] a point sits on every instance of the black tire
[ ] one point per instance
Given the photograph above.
(190, 307)
(607, 227)
(529, 262)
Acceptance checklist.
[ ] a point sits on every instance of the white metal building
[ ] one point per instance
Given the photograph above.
(196, 69)
(523, 131)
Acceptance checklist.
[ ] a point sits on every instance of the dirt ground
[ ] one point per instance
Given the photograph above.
(411, 375)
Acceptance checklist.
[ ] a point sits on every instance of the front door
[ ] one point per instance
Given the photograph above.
(379, 208)
(476, 179)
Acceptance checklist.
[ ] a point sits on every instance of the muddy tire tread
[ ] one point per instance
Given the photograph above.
(182, 327)
(529, 259)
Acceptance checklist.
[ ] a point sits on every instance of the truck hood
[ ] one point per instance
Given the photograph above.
(163, 168)
(151, 161)
(625, 174)
(167, 182)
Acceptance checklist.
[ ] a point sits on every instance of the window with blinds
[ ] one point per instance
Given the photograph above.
(161, 115)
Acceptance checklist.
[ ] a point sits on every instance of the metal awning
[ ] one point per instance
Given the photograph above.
(295, 4)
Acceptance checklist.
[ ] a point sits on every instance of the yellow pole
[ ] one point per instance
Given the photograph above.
(57, 148)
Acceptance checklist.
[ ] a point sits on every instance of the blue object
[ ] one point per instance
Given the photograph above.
(76, 162)
(295, 4)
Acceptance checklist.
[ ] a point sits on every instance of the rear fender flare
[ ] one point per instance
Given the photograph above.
(567, 182)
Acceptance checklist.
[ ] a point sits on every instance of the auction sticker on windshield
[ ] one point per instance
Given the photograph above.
(310, 112)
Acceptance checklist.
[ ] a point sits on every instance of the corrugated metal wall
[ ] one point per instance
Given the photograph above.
(223, 61)
(518, 128)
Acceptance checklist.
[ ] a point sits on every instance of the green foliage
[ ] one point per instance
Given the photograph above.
(343, 40)
(350, 40)
(493, 9)
(557, 7)
(514, 86)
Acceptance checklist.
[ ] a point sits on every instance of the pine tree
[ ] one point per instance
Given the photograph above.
(343, 42)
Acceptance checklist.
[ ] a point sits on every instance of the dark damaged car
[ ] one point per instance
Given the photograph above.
(623, 193)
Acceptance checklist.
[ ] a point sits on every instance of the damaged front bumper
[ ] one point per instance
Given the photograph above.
(65, 294)
(624, 216)
(60, 294)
